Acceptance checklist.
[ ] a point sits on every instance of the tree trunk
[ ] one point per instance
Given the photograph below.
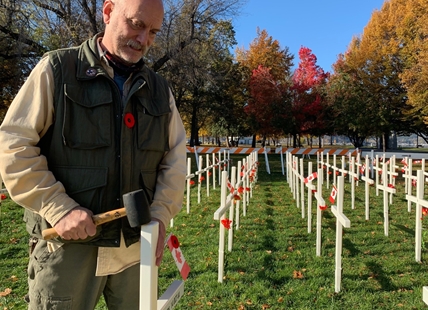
(294, 140)
(194, 129)
(253, 143)
(383, 143)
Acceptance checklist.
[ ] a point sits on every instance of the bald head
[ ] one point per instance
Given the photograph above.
(131, 27)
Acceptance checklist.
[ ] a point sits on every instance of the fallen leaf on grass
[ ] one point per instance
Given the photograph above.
(265, 306)
(13, 240)
(280, 299)
(5, 292)
(14, 278)
(297, 274)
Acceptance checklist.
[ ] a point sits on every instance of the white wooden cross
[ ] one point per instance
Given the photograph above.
(226, 201)
(343, 170)
(302, 187)
(327, 170)
(335, 169)
(234, 192)
(311, 188)
(377, 168)
(353, 177)
(149, 271)
(368, 182)
(245, 182)
(200, 173)
(320, 204)
(386, 188)
(320, 164)
(266, 151)
(420, 202)
(189, 178)
(392, 174)
(207, 175)
(214, 167)
(341, 221)
(239, 183)
(282, 161)
(409, 179)
(220, 168)
(289, 162)
(358, 165)
(295, 181)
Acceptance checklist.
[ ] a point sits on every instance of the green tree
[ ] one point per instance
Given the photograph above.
(350, 105)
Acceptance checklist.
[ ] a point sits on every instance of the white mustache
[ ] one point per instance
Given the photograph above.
(134, 45)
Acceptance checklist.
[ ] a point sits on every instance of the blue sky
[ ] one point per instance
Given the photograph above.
(324, 26)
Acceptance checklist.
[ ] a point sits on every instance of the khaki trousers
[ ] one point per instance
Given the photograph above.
(65, 279)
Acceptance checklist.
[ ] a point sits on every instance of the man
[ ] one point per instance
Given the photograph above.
(90, 124)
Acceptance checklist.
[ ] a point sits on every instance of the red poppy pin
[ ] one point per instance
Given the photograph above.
(129, 120)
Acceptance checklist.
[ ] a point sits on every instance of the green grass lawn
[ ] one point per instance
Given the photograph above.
(273, 264)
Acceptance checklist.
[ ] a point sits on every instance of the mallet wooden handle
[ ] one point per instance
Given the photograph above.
(98, 219)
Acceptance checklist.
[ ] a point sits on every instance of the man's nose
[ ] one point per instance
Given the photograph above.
(144, 38)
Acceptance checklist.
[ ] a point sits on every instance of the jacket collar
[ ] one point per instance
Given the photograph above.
(89, 63)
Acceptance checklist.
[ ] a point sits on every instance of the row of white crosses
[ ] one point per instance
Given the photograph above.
(384, 169)
(240, 185)
(217, 163)
(387, 171)
(420, 203)
(296, 179)
(419, 182)
(358, 170)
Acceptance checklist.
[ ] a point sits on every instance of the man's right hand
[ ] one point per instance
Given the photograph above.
(76, 224)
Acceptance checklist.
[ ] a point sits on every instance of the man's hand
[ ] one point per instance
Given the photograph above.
(76, 224)
(161, 242)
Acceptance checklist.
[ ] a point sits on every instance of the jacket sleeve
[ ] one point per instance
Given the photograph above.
(170, 183)
(24, 170)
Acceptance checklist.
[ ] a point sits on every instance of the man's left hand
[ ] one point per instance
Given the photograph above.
(161, 242)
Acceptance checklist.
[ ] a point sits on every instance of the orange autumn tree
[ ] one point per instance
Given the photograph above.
(308, 104)
(266, 52)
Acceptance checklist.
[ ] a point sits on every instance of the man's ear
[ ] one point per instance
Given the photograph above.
(107, 9)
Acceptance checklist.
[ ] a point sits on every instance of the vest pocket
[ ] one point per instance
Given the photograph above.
(152, 126)
(87, 117)
(86, 185)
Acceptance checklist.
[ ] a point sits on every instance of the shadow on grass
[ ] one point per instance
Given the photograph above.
(349, 245)
(405, 229)
(377, 273)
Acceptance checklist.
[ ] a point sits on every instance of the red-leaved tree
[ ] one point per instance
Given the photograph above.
(266, 95)
(307, 107)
